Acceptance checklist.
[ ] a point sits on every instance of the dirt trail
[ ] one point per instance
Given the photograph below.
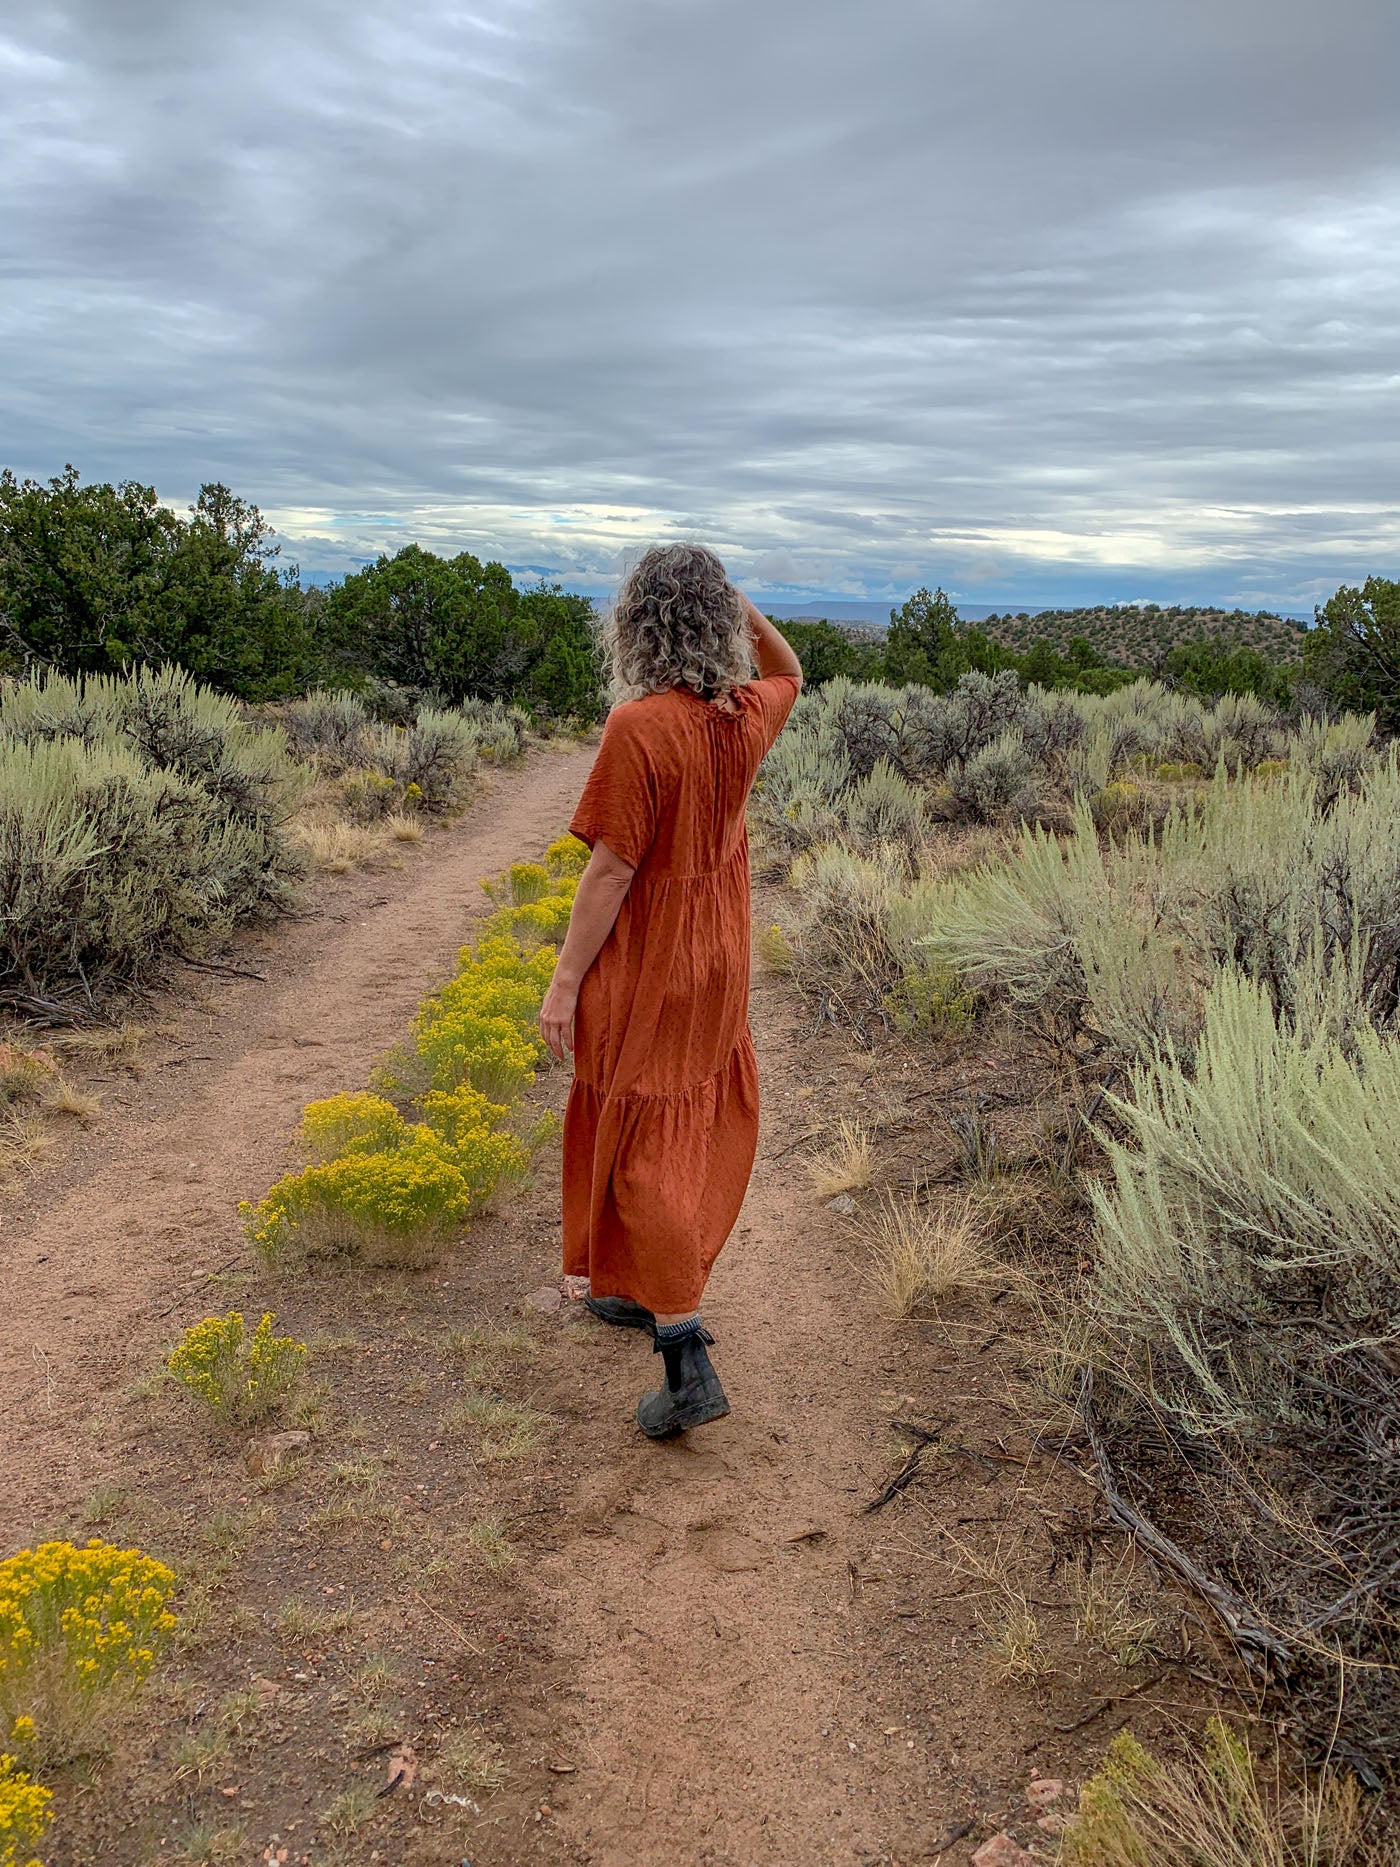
(704, 1651)
(720, 1653)
(141, 1211)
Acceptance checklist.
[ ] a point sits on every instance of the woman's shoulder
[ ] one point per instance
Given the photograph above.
(646, 711)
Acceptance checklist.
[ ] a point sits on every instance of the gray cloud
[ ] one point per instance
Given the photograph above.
(1094, 299)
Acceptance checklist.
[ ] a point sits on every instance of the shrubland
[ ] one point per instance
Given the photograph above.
(144, 816)
(139, 817)
(1190, 913)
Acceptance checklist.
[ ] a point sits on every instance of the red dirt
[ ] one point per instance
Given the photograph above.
(704, 1651)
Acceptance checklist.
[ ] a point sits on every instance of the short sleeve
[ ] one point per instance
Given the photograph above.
(773, 699)
(620, 803)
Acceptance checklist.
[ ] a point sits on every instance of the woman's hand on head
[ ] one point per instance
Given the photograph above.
(557, 1017)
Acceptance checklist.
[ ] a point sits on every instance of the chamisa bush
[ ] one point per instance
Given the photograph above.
(140, 817)
(238, 1377)
(392, 1175)
(80, 1631)
(1221, 1805)
(25, 1813)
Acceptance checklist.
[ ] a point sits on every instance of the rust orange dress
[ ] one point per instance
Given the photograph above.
(662, 1122)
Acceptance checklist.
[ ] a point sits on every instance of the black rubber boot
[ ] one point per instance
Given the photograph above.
(621, 1311)
(692, 1394)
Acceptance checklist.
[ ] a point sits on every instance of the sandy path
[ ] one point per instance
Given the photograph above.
(147, 1205)
(717, 1659)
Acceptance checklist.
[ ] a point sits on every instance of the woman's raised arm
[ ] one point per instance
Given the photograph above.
(771, 651)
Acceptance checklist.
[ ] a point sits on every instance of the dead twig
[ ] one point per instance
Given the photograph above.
(1246, 1634)
(1114, 1698)
(217, 966)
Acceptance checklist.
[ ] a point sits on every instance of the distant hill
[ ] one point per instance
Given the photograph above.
(1140, 636)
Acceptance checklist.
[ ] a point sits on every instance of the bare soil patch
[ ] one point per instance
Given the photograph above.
(557, 1642)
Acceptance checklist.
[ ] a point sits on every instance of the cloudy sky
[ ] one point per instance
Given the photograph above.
(1098, 299)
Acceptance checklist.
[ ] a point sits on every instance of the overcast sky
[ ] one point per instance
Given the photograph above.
(1092, 299)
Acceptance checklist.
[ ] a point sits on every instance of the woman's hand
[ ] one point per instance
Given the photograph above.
(557, 1017)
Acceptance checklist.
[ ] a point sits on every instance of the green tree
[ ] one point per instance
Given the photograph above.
(456, 627)
(562, 677)
(826, 650)
(922, 645)
(427, 622)
(81, 568)
(94, 578)
(1353, 653)
(225, 613)
(1211, 668)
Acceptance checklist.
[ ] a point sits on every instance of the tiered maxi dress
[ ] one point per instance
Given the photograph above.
(662, 1121)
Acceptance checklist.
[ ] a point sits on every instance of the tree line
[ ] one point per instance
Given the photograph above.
(1350, 658)
(96, 578)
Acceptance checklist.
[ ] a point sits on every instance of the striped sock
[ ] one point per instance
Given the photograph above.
(678, 1331)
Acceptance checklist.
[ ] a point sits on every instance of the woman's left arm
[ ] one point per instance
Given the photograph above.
(602, 890)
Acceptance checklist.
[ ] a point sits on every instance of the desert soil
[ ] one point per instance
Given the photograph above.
(705, 1651)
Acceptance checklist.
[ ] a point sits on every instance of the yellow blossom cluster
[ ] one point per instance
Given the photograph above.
(77, 1627)
(380, 1185)
(24, 1813)
(239, 1377)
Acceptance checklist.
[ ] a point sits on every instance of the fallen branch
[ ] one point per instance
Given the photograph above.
(1245, 1632)
(1114, 1698)
(214, 965)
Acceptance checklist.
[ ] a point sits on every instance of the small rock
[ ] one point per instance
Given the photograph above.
(1043, 1790)
(1052, 1824)
(547, 1300)
(264, 1455)
(843, 1203)
(1001, 1851)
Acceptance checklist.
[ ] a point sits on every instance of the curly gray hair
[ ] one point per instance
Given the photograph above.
(676, 621)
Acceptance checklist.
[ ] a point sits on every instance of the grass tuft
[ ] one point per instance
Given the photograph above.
(846, 1164)
(921, 1255)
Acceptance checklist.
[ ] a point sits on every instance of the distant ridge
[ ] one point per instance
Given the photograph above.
(1135, 635)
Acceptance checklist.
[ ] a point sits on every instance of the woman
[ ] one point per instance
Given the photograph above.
(651, 990)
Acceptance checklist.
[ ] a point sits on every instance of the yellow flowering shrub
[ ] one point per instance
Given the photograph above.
(481, 1027)
(381, 1188)
(545, 918)
(80, 1630)
(24, 1814)
(567, 858)
(239, 1377)
(350, 1124)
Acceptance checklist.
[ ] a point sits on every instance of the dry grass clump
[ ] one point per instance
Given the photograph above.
(1107, 1614)
(23, 1140)
(775, 950)
(330, 844)
(1016, 1642)
(1222, 1807)
(846, 1164)
(489, 1543)
(1007, 1617)
(482, 1349)
(919, 1255)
